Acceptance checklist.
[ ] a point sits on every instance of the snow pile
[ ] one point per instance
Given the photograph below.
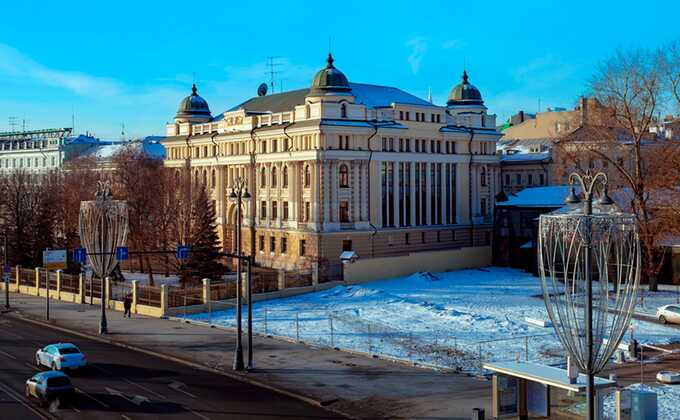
(454, 319)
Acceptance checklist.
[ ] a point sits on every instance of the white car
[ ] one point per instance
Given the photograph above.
(668, 377)
(60, 356)
(669, 313)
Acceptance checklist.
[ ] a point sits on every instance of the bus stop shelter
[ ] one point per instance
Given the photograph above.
(522, 389)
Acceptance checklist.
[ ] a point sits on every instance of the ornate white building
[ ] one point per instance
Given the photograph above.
(406, 184)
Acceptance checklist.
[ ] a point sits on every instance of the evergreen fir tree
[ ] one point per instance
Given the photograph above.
(204, 243)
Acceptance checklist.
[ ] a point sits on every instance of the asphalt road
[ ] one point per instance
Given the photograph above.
(124, 384)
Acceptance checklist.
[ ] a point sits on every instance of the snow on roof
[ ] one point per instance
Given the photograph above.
(525, 157)
(374, 96)
(552, 196)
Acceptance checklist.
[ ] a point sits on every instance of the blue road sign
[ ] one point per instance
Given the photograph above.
(79, 255)
(182, 252)
(7, 268)
(122, 253)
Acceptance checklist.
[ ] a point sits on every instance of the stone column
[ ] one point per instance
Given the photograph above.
(356, 191)
(316, 193)
(206, 290)
(363, 198)
(37, 281)
(59, 273)
(81, 288)
(444, 204)
(334, 190)
(414, 201)
(281, 279)
(396, 191)
(326, 192)
(164, 299)
(428, 194)
(17, 277)
(135, 291)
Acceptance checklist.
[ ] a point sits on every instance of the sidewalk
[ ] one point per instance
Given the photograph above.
(355, 385)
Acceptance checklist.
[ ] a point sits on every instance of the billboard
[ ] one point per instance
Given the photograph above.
(54, 259)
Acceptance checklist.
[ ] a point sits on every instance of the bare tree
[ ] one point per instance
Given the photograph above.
(633, 88)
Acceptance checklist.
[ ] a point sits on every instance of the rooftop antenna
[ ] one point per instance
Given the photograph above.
(272, 64)
(537, 111)
(12, 121)
(73, 119)
(23, 124)
(122, 131)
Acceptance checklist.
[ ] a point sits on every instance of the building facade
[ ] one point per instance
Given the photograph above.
(346, 166)
(41, 150)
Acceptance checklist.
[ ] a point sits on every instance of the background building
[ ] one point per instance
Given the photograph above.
(406, 184)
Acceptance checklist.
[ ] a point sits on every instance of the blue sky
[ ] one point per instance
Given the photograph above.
(132, 62)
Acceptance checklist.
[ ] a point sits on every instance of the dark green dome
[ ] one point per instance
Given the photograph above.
(193, 106)
(464, 93)
(329, 79)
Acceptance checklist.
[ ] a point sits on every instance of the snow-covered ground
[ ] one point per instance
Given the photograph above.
(667, 397)
(158, 279)
(448, 319)
(648, 301)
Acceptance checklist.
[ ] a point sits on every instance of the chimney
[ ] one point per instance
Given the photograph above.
(583, 105)
(521, 116)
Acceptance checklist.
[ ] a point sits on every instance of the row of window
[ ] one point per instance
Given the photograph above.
(343, 177)
(390, 144)
(419, 117)
(27, 162)
(283, 245)
(519, 178)
(23, 145)
(343, 210)
(240, 148)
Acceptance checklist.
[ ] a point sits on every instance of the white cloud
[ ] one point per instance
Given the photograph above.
(418, 47)
(453, 44)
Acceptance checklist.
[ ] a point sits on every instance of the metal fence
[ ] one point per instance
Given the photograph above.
(179, 296)
(149, 296)
(294, 279)
(26, 277)
(70, 283)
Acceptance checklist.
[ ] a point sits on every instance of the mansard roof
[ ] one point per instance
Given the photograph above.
(374, 96)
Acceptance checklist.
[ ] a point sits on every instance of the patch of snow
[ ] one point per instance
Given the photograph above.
(447, 322)
(667, 398)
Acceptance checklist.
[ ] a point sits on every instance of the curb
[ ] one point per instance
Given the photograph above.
(325, 404)
(387, 358)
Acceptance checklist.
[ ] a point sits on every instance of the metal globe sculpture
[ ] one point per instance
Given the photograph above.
(103, 227)
(589, 263)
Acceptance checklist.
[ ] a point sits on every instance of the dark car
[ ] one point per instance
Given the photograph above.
(49, 386)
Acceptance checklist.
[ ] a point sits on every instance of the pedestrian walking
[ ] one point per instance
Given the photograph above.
(127, 305)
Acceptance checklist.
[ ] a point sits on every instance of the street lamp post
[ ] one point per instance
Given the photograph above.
(239, 193)
(574, 245)
(4, 273)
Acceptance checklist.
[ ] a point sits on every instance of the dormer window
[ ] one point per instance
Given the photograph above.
(343, 111)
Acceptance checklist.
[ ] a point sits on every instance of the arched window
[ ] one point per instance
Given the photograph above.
(274, 180)
(482, 177)
(213, 179)
(344, 176)
(308, 176)
(307, 111)
(285, 177)
(343, 110)
(205, 177)
(263, 178)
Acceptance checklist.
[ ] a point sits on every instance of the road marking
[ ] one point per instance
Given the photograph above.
(196, 414)
(150, 391)
(8, 355)
(94, 399)
(177, 386)
(136, 400)
(75, 409)
(145, 389)
(125, 417)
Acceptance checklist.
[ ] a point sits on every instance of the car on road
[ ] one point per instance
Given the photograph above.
(668, 377)
(669, 313)
(60, 356)
(49, 386)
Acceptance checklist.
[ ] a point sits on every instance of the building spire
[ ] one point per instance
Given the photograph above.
(429, 94)
(194, 90)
